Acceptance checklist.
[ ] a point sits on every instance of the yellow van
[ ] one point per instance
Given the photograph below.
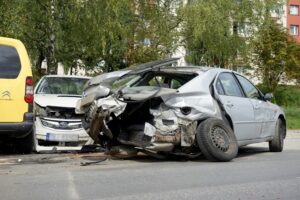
(16, 94)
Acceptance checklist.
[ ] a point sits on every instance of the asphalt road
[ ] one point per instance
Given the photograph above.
(255, 174)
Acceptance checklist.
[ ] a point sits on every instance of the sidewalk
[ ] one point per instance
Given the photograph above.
(293, 132)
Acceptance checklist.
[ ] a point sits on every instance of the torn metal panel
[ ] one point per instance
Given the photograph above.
(171, 128)
(112, 104)
(97, 124)
(159, 147)
(145, 92)
(149, 130)
(174, 139)
(165, 120)
(202, 105)
(188, 132)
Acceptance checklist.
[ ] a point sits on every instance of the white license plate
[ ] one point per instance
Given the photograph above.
(62, 137)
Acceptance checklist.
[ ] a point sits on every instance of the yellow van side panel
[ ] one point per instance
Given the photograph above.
(13, 106)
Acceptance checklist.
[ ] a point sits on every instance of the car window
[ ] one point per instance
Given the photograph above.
(175, 84)
(248, 88)
(230, 85)
(61, 85)
(157, 81)
(125, 81)
(219, 88)
(10, 64)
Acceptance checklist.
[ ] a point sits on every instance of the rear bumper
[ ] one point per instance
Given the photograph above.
(17, 130)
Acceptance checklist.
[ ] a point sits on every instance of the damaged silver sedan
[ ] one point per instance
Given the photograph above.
(161, 109)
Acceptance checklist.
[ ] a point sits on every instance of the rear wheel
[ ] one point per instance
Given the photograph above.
(216, 140)
(276, 144)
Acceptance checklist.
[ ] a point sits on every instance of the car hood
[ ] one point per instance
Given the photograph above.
(65, 101)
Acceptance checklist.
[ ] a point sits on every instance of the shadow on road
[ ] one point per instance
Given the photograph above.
(11, 156)
(251, 151)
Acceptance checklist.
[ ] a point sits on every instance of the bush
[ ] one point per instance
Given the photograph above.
(288, 97)
(292, 117)
(285, 95)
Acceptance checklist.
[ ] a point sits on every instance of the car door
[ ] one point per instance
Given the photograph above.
(263, 112)
(238, 107)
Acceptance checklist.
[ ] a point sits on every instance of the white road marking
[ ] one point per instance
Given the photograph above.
(73, 194)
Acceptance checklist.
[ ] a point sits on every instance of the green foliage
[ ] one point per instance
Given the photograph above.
(270, 53)
(275, 53)
(98, 34)
(292, 67)
(293, 117)
(287, 96)
(218, 32)
(154, 30)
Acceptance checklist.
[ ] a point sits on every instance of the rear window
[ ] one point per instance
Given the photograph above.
(10, 64)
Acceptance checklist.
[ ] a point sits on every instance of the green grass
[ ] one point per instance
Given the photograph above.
(288, 97)
(292, 117)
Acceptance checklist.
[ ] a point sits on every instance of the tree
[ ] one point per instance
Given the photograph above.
(292, 70)
(154, 30)
(10, 18)
(218, 32)
(276, 55)
(110, 34)
(115, 34)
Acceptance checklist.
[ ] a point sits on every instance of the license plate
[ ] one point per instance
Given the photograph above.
(62, 137)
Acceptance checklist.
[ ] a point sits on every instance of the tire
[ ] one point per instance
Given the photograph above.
(25, 145)
(216, 140)
(276, 144)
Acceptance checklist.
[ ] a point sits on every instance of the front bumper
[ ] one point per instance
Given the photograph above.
(17, 130)
(42, 133)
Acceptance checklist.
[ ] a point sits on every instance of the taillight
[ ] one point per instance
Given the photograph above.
(29, 90)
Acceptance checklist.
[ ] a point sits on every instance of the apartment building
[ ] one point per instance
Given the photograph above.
(293, 18)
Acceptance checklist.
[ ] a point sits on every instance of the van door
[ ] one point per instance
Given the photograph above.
(14, 68)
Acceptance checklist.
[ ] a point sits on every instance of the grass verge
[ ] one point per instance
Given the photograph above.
(292, 117)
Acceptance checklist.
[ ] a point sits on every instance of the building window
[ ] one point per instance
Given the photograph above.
(294, 30)
(294, 10)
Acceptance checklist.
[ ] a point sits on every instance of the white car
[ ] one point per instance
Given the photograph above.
(57, 126)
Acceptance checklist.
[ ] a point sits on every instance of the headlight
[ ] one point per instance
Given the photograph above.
(40, 111)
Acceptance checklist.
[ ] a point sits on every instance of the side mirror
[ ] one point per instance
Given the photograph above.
(268, 96)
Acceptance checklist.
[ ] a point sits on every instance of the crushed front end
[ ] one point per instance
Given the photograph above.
(58, 126)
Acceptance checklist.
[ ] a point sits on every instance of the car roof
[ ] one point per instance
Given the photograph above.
(193, 69)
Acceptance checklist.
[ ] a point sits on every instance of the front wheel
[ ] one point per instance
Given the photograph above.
(216, 140)
(276, 144)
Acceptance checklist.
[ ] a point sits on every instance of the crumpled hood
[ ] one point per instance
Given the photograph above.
(54, 100)
(107, 79)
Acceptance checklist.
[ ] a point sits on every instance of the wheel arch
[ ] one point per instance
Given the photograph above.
(284, 122)
(229, 121)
